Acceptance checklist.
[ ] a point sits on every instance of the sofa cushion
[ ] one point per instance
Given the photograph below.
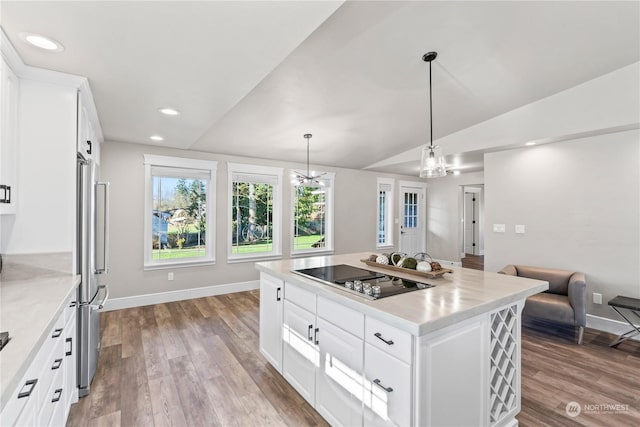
(558, 279)
(549, 306)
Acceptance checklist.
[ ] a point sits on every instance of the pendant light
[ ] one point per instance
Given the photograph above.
(308, 179)
(432, 163)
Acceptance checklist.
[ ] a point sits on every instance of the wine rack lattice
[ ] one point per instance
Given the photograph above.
(503, 374)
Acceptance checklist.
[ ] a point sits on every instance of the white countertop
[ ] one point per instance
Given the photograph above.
(33, 292)
(457, 296)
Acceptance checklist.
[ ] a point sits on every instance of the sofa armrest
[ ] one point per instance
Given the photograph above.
(509, 270)
(577, 291)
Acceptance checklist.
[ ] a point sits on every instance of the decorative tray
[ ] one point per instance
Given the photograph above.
(428, 274)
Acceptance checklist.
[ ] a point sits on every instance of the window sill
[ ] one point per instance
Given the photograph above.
(181, 264)
(312, 253)
(236, 259)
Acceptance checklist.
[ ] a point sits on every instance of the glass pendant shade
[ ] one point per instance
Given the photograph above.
(432, 164)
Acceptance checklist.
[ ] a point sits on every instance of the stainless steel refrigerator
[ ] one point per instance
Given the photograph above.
(92, 199)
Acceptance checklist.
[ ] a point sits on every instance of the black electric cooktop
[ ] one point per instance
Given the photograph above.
(365, 283)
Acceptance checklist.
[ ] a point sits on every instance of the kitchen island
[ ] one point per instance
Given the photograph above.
(446, 355)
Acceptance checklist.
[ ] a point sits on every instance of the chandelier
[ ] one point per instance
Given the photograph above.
(310, 178)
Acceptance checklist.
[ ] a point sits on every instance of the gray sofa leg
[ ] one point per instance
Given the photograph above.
(580, 333)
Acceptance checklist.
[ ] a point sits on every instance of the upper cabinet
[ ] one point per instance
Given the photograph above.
(87, 141)
(10, 89)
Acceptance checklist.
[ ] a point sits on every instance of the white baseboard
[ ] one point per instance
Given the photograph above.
(615, 327)
(179, 295)
(444, 262)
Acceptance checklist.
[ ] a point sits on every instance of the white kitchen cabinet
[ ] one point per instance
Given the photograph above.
(271, 303)
(339, 391)
(87, 140)
(387, 389)
(10, 90)
(48, 388)
(300, 355)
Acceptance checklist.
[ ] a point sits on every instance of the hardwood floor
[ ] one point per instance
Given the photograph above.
(473, 261)
(196, 363)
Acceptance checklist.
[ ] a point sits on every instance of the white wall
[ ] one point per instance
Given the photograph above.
(122, 165)
(45, 218)
(580, 203)
(443, 214)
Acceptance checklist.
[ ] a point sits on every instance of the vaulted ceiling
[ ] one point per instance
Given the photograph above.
(250, 78)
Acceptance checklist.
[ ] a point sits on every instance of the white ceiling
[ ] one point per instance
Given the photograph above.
(252, 77)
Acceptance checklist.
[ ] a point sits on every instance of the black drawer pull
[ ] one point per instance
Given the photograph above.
(70, 351)
(56, 364)
(278, 295)
(379, 336)
(309, 337)
(56, 333)
(387, 389)
(56, 395)
(7, 194)
(31, 384)
(316, 336)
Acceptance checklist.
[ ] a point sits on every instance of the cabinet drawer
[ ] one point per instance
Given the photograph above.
(387, 389)
(304, 299)
(341, 316)
(388, 339)
(52, 398)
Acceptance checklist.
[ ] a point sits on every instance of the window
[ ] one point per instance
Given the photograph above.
(255, 215)
(313, 216)
(179, 210)
(384, 236)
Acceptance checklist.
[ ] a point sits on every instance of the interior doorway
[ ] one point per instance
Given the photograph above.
(472, 220)
(412, 220)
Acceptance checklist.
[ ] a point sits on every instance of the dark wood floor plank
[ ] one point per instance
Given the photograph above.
(135, 398)
(131, 336)
(112, 419)
(111, 334)
(156, 360)
(173, 345)
(167, 410)
(104, 393)
(193, 396)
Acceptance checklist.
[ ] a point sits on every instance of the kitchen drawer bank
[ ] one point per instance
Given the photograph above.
(448, 355)
(38, 365)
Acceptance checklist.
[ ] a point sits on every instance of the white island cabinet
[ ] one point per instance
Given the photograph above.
(447, 355)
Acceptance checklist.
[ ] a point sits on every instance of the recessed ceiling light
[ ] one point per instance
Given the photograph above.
(456, 172)
(42, 42)
(169, 111)
(529, 144)
(156, 138)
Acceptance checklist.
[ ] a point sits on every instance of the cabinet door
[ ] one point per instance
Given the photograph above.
(339, 391)
(8, 140)
(271, 300)
(300, 353)
(387, 389)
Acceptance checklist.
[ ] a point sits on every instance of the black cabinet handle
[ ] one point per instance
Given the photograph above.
(7, 194)
(387, 389)
(56, 395)
(56, 333)
(316, 336)
(90, 147)
(70, 351)
(278, 294)
(379, 336)
(309, 337)
(31, 384)
(56, 364)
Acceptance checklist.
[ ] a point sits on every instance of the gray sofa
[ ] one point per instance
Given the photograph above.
(564, 302)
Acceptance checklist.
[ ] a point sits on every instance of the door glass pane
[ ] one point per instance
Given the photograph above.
(410, 210)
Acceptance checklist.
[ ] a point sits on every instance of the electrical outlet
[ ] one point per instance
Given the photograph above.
(170, 275)
(597, 298)
(499, 228)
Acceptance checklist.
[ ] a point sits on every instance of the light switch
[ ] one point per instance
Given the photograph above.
(519, 229)
(498, 228)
